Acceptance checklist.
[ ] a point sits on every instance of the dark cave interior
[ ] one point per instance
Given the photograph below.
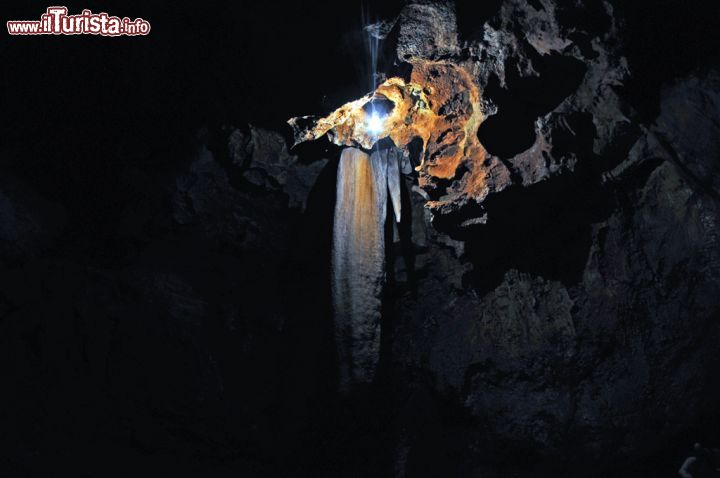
(161, 314)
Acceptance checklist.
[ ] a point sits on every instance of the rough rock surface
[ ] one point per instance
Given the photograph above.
(573, 312)
(427, 30)
(184, 327)
(623, 347)
(567, 74)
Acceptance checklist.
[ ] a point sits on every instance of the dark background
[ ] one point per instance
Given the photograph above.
(91, 124)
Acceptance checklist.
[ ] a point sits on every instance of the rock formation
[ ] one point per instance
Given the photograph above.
(550, 295)
(542, 336)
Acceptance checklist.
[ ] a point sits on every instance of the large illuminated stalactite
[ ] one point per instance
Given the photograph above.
(365, 182)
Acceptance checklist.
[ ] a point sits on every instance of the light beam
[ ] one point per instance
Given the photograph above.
(375, 123)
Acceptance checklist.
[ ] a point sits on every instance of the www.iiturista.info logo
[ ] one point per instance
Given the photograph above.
(56, 21)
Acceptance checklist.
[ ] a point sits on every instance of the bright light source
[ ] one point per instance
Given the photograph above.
(375, 123)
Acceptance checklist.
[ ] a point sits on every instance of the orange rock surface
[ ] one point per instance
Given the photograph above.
(441, 105)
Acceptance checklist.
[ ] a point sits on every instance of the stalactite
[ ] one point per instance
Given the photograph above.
(358, 257)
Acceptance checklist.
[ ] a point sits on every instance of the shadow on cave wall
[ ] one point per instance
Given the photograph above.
(543, 229)
(512, 130)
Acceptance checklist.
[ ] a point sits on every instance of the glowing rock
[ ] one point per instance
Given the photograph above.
(441, 105)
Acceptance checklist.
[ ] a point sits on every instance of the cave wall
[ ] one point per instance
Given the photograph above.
(614, 359)
(167, 308)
